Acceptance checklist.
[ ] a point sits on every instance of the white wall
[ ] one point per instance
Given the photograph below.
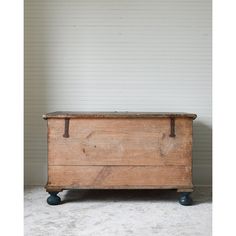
(117, 55)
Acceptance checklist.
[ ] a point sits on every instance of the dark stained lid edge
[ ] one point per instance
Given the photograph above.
(69, 114)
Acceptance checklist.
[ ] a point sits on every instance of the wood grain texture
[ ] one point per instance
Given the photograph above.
(189, 188)
(120, 142)
(119, 177)
(119, 153)
(69, 114)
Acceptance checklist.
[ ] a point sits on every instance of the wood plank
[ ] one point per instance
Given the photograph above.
(188, 188)
(120, 142)
(70, 114)
(119, 176)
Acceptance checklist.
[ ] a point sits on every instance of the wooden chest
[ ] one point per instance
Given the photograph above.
(112, 150)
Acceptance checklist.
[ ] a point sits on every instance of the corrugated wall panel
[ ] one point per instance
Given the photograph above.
(109, 55)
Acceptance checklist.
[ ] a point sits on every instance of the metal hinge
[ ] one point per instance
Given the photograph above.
(66, 130)
(172, 127)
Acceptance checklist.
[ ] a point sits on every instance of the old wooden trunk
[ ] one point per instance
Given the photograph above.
(119, 151)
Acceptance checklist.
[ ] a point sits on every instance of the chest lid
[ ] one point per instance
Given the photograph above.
(72, 114)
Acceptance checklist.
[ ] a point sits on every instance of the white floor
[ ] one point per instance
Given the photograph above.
(117, 212)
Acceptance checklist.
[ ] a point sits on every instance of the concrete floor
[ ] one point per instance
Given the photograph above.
(117, 212)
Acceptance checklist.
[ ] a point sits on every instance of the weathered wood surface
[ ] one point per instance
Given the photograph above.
(189, 188)
(119, 176)
(185, 190)
(119, 153)
(65, 114)
(120, 142)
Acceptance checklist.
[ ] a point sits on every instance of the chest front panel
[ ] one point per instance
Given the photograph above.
(120, 142)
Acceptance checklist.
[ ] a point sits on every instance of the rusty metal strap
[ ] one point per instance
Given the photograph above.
(67, 122)
(172, 127)
(66, 131)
